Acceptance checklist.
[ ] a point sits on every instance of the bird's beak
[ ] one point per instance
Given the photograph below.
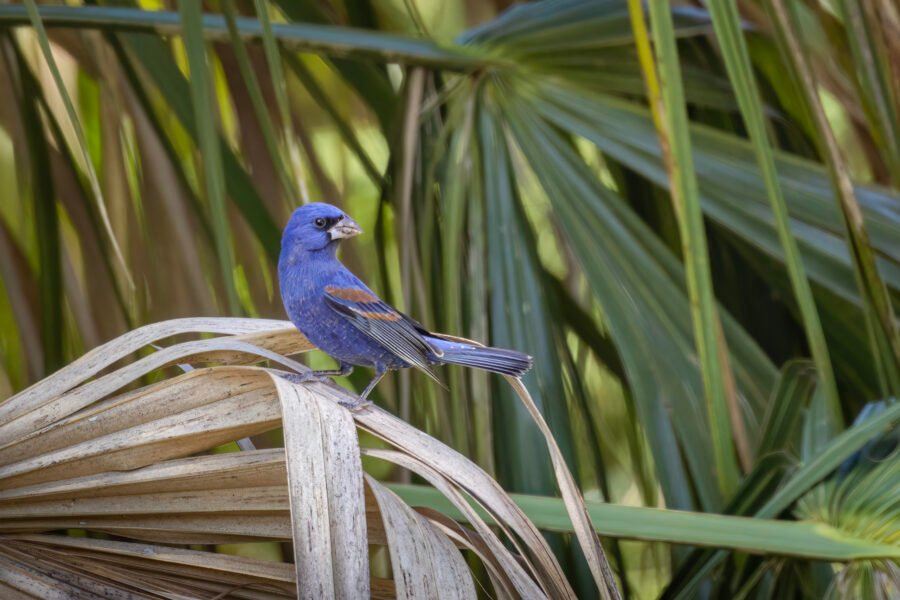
(345, 228)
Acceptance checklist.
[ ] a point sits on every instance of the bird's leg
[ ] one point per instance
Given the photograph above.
(363, 401)
(307, 376)
(346, 369)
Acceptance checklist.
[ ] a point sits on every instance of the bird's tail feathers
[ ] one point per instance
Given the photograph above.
(496, 360)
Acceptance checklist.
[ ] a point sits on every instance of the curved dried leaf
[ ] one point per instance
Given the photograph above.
(48, 412)
(326, 495)
(102, 356)
(469, 476)
(425, 562)
(517, 578)
(584, 530)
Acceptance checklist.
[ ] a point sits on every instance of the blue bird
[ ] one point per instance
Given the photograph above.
(335, 310)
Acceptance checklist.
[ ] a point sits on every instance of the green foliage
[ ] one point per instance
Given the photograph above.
(701, 254)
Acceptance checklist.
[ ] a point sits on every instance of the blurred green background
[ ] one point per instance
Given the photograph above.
(655, 201)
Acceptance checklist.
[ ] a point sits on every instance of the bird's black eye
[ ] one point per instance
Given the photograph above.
(320, 222)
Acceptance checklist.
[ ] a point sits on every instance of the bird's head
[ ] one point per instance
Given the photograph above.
(317, 225)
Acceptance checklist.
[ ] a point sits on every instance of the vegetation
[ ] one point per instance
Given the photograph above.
(688, 214)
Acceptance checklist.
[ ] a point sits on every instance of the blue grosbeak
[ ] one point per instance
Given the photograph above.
(343, 318)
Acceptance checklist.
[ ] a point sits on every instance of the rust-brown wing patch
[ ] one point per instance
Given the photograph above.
(378, 316)
(350, 294)
(397, 333)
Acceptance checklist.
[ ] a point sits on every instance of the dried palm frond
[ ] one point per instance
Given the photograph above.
(86, 450)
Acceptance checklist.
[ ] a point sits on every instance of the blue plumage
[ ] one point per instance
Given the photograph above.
(338, 313)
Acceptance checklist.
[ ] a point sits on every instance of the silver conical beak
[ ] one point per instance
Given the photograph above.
(345, 228)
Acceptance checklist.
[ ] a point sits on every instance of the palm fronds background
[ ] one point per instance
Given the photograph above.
(690, 218)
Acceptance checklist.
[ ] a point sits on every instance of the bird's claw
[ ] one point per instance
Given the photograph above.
(357, 405)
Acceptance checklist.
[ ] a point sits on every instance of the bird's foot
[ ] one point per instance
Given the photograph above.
(306, 377)
(357, 405)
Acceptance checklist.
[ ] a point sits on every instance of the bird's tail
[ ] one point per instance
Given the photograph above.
(496, 360)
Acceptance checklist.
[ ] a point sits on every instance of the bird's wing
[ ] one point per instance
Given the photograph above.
(390, 328)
